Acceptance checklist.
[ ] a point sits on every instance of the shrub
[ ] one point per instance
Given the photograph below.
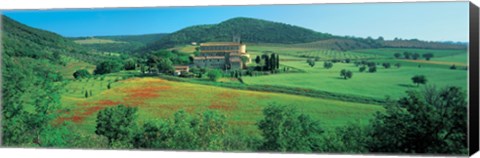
(83, 73)
(214, 74)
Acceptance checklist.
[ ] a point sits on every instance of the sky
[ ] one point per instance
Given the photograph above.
(431, 21)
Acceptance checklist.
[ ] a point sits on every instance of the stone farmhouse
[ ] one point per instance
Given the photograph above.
(222, 55)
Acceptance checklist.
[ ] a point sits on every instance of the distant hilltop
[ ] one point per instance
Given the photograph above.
(262, 31)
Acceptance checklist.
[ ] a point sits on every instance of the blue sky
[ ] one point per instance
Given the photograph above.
(433, 21)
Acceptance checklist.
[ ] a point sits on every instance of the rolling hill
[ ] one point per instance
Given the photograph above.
(121, 43)
(251, 30)
(262, 31)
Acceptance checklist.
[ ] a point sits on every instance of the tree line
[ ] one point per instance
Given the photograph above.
(429, 121)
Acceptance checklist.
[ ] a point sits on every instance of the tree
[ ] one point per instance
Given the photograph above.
(346, 74)
(83, 73)
(116, 123)
(419, 79)
(152, 63)
(129, 64)
(109, 66)
(267, 65)
(372, 69)
(258, 60)
(406, 55)
(432, 121)
(386, 65)
(453, 67)
(415, 56)
(273, 61)
(284, 129)
(362, 69)
(427, 56)
(109, 85)
(244, 59)
(86, 94)
(165, 65)
(205, 131)
(347, 60)
(327, 65)
(397, 55)
(311, 62)
(214, 74)
(398, 65)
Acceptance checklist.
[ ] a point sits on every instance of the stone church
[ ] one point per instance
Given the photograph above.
(222, 55)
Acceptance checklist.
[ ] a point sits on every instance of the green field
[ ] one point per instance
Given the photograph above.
(158, 98)
(96, 41)
(391, 82)
(288, 52)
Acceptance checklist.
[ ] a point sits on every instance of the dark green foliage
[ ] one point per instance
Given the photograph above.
(86, 94)
(109, 66)
(428, 56)
(165, 65)
(398, 65)
(415, 56)
(257, 60)
(205, 131)
(434, 121)
(311, 62)
(372, 69)
(214, 74)
(386, 65)
(453, 67)
(83, 73)
(250, 30)
(397, 55)
(129, 64)
(285, 130)
(327, 65)
(407, 55)
(347, 60)
(109, 85)
(362, 68)
(346, 74)
(116, 123)
(352, 138)
(419, 79)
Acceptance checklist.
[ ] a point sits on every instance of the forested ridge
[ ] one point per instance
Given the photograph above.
(262, 31)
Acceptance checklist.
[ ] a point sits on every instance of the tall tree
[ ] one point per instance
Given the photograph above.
(285, 130)
(419, 79)
(116, 123)
(432, 121)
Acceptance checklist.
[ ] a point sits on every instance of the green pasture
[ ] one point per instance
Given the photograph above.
(391, 82)
(96, 41)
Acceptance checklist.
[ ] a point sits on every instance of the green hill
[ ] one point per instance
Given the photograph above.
(251, 30)
(31, 59)
(120, 43)
(263, 31)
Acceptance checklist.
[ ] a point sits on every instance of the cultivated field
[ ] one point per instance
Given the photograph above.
(391, 82)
